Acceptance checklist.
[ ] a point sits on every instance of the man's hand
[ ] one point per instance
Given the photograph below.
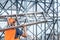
(24, 25)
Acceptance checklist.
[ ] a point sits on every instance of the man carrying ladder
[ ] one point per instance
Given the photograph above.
(12, 34)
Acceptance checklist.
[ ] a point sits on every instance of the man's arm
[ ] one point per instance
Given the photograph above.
(25, 31)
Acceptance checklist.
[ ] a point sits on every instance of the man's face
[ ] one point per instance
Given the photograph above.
(11, 21)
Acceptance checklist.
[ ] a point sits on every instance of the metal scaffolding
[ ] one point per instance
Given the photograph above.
(33, 11)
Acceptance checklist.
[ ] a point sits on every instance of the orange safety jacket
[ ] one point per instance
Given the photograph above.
(10, 34)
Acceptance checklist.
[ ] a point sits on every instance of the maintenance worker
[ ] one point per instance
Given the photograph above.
(12, 34)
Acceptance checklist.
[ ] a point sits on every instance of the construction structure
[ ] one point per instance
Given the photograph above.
(40, 16)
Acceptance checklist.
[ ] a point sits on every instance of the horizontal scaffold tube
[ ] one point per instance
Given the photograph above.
(22, 14)
(18, 26)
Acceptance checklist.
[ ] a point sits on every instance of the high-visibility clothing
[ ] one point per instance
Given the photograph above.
(10, 34)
